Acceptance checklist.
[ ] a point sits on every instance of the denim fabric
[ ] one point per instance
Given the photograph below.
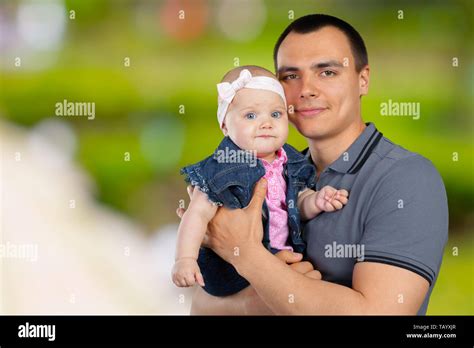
(231, 184)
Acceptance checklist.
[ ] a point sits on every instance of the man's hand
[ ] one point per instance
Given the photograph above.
(232, 232)
(246, 301)
(289, 257)
(294, 261)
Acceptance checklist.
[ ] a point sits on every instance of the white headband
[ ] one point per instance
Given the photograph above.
(226, 91)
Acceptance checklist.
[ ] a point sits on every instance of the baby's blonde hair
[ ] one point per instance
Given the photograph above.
(255, 70)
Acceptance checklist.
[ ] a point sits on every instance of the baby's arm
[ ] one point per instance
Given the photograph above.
(311, 203)
(191, 232)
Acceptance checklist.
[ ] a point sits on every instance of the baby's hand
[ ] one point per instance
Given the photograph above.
(186, 272)
(329, 199)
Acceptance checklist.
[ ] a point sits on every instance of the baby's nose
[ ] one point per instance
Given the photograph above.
(267, 123)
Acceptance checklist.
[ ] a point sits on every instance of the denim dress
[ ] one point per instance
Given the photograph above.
(228, 178)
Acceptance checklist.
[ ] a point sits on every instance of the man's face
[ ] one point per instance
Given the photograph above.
(317, 71)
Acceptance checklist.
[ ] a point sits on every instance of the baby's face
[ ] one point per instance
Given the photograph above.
(257, 120)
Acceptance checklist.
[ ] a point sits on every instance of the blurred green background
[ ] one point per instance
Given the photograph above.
(151, 71)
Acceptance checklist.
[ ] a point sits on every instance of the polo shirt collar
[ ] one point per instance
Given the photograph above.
(355, 156)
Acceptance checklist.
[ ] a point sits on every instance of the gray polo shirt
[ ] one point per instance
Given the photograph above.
(397, 213)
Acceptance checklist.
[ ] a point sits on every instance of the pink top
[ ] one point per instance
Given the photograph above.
(276, 201)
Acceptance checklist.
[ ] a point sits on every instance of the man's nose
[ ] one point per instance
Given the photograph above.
(309, 88)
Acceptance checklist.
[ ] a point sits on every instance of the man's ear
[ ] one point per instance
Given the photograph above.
(364, 79)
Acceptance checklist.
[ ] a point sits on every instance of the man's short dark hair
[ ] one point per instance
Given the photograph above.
(314, 22)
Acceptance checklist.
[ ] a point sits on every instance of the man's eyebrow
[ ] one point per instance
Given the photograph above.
(314, 66)
(285, 69)
(326, 64)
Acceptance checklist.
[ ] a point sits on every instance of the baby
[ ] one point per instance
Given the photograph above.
(252, 114)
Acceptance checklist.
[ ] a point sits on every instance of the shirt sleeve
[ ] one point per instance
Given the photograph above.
(196, 176)
(407, 219)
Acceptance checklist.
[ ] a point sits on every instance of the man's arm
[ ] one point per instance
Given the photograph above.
(245, 302)
(377, 288)
(303, 295)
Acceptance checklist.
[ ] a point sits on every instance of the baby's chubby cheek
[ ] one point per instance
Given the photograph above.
(266, 146)
(244, 141)
(284, 134)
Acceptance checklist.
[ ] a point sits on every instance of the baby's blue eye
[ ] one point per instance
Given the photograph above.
(250, 116)
(276, 114)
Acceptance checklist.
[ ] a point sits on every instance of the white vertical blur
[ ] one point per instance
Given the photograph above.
(42, 23)
(90, 259)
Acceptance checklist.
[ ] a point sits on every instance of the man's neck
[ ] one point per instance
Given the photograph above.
(326, 151)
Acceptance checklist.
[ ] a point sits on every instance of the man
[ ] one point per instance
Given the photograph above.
(382, 252)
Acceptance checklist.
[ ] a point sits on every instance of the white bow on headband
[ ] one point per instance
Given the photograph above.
(226, 91)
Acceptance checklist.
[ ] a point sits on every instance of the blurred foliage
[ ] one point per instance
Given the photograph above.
(410, 61)
(453, 293)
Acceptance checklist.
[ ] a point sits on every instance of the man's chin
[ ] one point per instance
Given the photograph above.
(310, 131)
